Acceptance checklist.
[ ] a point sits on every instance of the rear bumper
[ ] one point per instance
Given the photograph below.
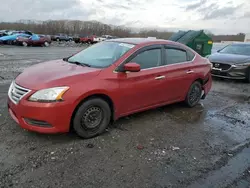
(207, 86)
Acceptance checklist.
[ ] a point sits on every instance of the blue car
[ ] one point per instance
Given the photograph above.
(12, 36)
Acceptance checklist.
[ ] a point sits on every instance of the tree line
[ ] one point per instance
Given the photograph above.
(77, 27)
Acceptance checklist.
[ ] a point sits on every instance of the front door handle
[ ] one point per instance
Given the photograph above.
(159, 77)
(190, 72)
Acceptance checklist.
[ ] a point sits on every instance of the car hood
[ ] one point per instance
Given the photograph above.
(228, 58)
(54, 73)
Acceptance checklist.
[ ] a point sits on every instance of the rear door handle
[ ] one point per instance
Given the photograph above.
(190, 72)
(159, 77)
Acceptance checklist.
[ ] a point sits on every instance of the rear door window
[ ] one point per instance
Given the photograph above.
(175, 55)
(190, 55)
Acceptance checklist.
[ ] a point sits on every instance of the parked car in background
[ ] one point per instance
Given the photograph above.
(11, 36)
(34, 40)
(76, 38)
(232, 61)
(107, 81)
(3, 33)
(87, 39)
(102, 38)
(62, 37)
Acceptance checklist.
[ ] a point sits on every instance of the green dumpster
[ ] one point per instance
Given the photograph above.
(197, 40)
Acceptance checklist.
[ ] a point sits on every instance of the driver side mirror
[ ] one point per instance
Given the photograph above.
(132, 67)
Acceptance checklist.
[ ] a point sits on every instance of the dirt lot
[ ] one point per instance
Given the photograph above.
(172, 146)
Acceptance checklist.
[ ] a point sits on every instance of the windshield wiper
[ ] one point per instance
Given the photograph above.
(79, 63)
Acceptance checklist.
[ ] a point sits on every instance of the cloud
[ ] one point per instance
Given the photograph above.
(246, 15)
(12, 10)
(196, 5)
(171, 14)
(221, 13)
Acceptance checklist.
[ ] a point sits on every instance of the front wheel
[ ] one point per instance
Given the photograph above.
(25, 44)
(194, 94)
(46, 44)
(92, 118)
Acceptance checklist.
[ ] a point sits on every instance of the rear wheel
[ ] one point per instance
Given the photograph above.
(194, 94)
(46, 44)
(9, 42)
(92, 118)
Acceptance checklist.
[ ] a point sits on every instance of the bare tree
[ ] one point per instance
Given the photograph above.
(78, 27)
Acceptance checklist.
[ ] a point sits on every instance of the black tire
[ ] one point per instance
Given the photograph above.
(46, 44)
(25, 44)
(194, 94)
(58, 39)
(83, 122)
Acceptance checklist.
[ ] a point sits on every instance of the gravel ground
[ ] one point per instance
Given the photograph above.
(172, 146)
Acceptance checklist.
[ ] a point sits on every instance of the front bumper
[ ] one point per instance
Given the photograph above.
(207, 86)
(232, 73)
(43, 117)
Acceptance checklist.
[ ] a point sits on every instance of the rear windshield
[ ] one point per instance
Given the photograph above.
(102, 54)
(241, 49)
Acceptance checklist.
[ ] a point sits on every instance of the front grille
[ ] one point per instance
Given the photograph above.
(16, 92)
(221, 66)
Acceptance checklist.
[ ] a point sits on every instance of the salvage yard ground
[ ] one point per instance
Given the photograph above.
(172, 146)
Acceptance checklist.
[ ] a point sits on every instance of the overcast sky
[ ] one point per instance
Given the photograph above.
(218, 16)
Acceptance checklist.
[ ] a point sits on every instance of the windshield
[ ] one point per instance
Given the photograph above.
(102, 54)
(241, 49)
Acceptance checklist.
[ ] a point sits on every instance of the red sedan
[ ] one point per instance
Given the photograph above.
(106, 81)
(34, 40)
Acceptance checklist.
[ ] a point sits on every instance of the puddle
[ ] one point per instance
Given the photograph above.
(232, 121)
(180, 113)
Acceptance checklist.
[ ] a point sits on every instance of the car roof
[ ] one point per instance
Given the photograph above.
(137, 40)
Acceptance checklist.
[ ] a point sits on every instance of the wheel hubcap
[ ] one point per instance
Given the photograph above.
(195, 94)
(92, 117)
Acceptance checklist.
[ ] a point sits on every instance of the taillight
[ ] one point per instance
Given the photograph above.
(211, 64)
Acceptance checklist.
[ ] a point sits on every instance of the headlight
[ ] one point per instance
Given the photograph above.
(49, 95)
(242, 64)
